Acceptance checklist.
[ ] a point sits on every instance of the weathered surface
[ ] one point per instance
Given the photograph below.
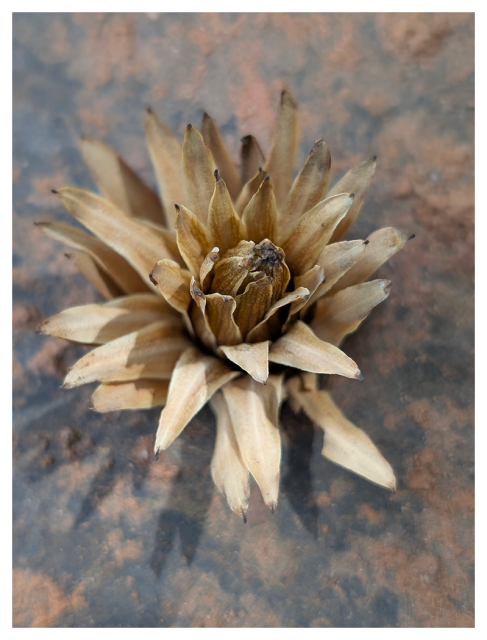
(103, 536)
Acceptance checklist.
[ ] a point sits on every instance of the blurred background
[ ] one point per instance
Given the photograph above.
(103, 536)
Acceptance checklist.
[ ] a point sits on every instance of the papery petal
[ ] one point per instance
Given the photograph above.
(252, 358)
(220, 310)
(198, 170)
(382, 244)
(127, 236)
(249, 189)
(100, 323)
(173, 283)
(253, 304)
(310, 186)
(166, 154)
(253, 410)
(310, 280)
(94, 274)
(356, 181)
(193, 241)
(313, 230)
(223, 161)
(195, 379)
(338, 315)
(225, 226)
(302, 349)
(251, 158)
(199, 317)
(118, 183)
(228, 470)
(280, 163)
(134, 394)
(118, 269)
(263, 331)
(344, 443)
(206, 268)
(260, 215)
(149, 353)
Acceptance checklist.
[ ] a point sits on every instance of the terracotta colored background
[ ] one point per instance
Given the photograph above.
(105, 537)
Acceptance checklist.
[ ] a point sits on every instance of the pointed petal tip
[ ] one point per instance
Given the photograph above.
(153, 280)
(352, 195)
(55, 192)
(412, 236)
(244, 518)
(366, 242)
(156, 456)
(217, 175)
(360, 377)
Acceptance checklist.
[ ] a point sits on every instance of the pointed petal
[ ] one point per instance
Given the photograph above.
(225, 226)
(223, 161)
(310, 186)
(313, 230)
(206, 268)
(118, 183)
(198, 170)
(382, 244)
(192, 238)
(310, 280)
(253, 304)
(356, 181)
(173, 283)
(280, 162)
(252, 358)
(300, 348)
(336, 259)
(127, 236)
(253, 410)
(228, 470)
(229, 274)
(259, 216)
(199, 317)
(100, 323)
(166, 154)
(250, 188)
(94, 274)
(344, 443)
(338, 315)
(149, 353)
(195, 379)
(109, 261)
(251, 158)
(134, 394)
(263, 331)
(220, 310)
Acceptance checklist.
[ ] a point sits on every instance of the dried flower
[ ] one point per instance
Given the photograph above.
(250, 293)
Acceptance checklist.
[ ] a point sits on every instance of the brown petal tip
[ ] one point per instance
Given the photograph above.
(156, 456)
(54, 191)
(217, 175)
(412, 236)
(352, 195)
(360, 377)
(153, 280)
(366, 241)
(373, 159)
(189, 127)
(244, 517)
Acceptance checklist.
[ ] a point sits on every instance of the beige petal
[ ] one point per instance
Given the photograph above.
(151, 352)
(223, 161)
(220, 310)
(382, 244)
(229, 273)
(173, 283)
(134, 394)
(118, 183)
(260, 214)
(250, 188)
(310, 280)
(344, 443)
(168, 238)
(300, 348)
(253, 410)
(313, 230)
(100, 323)
(92, 272)
(199, 317)
(195, 379)
(280, 162)
(198, 170)
(253, 304)
(338, 315)
(310, 186)
(356, 181)
(127, 236)
(336, 259)
(206, 268)
(192, 238)
(225, 226)
(263, 331)
(251, 158)
(228, 470)
(166, 155)
(252, 358)
(109, 261)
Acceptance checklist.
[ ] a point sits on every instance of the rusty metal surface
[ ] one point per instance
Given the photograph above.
(105, 537)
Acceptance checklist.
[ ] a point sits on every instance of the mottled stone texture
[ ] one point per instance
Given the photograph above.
(103, 536)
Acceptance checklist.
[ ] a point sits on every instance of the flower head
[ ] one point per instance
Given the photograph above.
(235, 288)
